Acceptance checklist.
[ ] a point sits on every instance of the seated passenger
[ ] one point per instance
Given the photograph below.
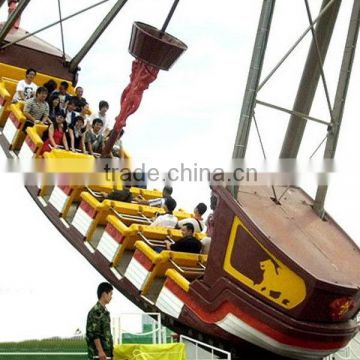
(84, 113)
(94, 140)
(80, 101)
(54, 107)
(70, 113)
(210, 224)
(63, 94)
(37, 109)
(56, 135)
(51, 86)
(117, 148)
(101, 114)
(158, 202)
(123, 195)
(188, 243)
(197, 220)
(76, 134)
(167, 220)
(25, 89)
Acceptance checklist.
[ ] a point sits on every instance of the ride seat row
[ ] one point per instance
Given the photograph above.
(92, 213)
(118, 238)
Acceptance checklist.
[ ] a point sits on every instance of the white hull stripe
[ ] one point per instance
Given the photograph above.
(58, 199)
(82, 221)
(9, 130)
(107, 246)
(26, 152)
(237, 327)
(169, 303)
(89, 247)
(136, 274)
(116, 273)
(42, 201)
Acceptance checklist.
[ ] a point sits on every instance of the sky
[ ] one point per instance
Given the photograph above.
(189, 114)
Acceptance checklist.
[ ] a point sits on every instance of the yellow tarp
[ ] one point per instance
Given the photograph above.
(150, 352)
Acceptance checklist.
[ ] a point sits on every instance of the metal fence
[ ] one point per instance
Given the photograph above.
(197, 350)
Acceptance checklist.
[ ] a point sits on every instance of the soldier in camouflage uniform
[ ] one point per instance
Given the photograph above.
(98, 331)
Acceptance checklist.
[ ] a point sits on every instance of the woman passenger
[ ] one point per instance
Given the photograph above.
(54, 106)
(76, 134)
(56, 135)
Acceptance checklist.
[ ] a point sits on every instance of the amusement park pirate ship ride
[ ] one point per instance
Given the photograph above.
(272, 261)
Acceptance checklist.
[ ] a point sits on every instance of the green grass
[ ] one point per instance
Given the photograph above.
(57, 345)
(44, 346)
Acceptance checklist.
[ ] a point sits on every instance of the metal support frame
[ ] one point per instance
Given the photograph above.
(253, 82)
(96, 34)
(54, 23)
(61, 31)
(322, 73)
(309, 80)
(340, 97)
(253, 79)
(295, 113)
(297, 42)
(12, 19)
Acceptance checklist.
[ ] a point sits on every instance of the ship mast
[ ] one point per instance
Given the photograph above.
(341, 92)
(313, 71)
(253, 80)
(310, 79)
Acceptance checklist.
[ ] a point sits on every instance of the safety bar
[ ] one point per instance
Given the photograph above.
(76, 150)
(144, 217)
(131, 217)
(202, 265)
(187, 269)
(94, 193)
(153, 242)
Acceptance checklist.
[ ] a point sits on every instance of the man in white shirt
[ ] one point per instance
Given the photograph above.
(197, 220)
(26, 89)
(168, 220)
